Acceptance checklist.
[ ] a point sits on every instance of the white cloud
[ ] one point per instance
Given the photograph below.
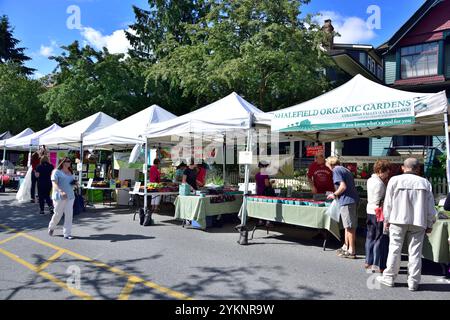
(115, 42)
(37, 75)
(47, 51)
(351, 29)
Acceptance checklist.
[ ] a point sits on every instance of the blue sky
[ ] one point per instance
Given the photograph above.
(41, 24)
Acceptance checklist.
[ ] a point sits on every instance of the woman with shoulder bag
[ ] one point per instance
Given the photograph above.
(63, 197)
(377, 243)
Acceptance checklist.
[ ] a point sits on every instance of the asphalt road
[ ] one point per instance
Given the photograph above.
(114, 257)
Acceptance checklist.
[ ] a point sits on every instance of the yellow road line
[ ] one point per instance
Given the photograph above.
(126, 291)
(10, 238)
(50, 260)
(135, 279)
(46, 275)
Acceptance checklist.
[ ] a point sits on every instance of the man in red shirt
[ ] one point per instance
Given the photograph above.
(154, 174)
(320, 177)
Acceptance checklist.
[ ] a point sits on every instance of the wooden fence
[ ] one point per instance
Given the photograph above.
(439, 185)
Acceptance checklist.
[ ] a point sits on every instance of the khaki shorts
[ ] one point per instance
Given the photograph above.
(349, 216)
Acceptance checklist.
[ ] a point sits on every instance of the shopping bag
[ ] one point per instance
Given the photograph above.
(24, 193)
(334, 210)
(78, 204)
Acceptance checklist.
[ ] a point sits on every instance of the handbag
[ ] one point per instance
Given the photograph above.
(379, 214)
(148, 219)
(141, 216)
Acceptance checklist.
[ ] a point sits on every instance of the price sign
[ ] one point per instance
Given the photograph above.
(137, 185)
(89, 185)
(245, 157)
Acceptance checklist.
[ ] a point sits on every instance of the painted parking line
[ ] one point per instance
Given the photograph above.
(46, 275)
(127, 290)
(132, 280)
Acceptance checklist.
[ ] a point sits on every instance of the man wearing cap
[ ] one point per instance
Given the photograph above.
(408, 213)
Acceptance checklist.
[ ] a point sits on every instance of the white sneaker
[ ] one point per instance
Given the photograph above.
(413, 287)
(383, 280)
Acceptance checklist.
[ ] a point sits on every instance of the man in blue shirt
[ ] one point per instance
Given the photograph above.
(348, 199)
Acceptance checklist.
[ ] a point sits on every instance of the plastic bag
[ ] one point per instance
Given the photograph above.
(24, 193)
(135, 153)
(334, 210)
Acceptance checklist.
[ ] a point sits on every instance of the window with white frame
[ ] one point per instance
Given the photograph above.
(419, 60)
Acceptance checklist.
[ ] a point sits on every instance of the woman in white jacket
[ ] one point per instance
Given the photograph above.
(377, 243)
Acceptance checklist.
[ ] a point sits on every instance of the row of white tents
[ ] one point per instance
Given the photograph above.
(359, 108)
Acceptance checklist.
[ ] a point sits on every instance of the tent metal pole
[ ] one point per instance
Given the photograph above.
(247, 178)
(3, 162)
(447, 147)
(80, 172)
(224, 159)
(29, 157)
(145, 174)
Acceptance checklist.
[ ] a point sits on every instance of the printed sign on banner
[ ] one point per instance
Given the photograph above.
(312, 151)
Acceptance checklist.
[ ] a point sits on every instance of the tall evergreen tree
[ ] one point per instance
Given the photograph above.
(9, 52)
(165, 20)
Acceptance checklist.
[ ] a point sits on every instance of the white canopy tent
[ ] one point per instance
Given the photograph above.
(129, 131)
(231, 113)
(11, 140)
(363, 108)
(72, 136)
(32, 140)
(5, 135)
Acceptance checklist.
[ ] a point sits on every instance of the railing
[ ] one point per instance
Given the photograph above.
(439, 185)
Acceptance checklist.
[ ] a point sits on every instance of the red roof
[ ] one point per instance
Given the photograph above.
(420, 80)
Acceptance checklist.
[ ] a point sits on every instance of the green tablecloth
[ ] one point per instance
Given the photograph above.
(312, 217)
(436, 247)
(198, 208)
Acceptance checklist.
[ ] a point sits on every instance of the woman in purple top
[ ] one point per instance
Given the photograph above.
(263, 185)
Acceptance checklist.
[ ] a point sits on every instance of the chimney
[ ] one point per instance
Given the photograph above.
(329, 34)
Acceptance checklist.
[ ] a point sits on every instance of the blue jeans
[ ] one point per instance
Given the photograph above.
(377, 243)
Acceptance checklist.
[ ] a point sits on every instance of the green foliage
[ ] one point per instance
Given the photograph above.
(260, 49)
(9, 52)
(19, 106)
(438, 170)
(90, 81)
(216, 180)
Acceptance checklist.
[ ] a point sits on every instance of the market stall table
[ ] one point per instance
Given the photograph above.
(154, 194)
(299, 215)
(436, 246)
(105, 191)
(197, 208)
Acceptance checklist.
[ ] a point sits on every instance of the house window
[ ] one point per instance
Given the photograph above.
(362, 58)
(419, 60)
(379, 72)
(371, 65)
(402, 141)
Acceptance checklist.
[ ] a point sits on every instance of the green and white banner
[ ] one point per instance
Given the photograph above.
(378, 114)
